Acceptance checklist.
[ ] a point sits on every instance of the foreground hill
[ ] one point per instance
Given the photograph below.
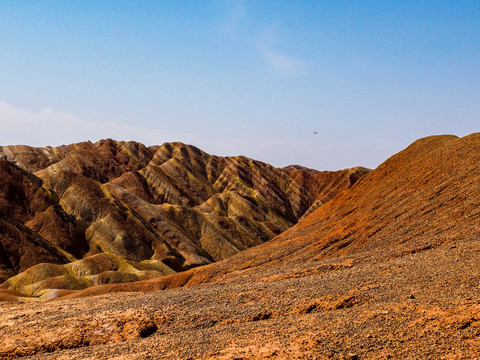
(425, 196)
(87, 214)
(386, 269)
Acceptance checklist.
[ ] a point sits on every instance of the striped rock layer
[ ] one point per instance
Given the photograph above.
(110, 212)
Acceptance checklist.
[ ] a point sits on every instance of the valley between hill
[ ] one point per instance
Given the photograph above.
(386, 269)
(111, 212)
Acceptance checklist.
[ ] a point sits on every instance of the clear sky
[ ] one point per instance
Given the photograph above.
(253, 78)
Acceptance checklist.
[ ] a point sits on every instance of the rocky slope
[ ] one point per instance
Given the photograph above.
(421, 198)
(386, 269)
(87, 214)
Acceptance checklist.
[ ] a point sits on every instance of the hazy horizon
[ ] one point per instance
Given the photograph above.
(242, 77)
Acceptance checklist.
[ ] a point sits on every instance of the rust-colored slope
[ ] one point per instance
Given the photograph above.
(418, 199)
(173, 206)
(21, 193)
(421, 197)
(102, 160)
(21, 197)
(32, 159)
(387, 269)
(324, 185)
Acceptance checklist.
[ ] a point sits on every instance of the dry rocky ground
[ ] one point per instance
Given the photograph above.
(389, 268)
(423, 305)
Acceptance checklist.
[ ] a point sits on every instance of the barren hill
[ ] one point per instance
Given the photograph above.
(386, 269)
(425, 196)
(86, 214)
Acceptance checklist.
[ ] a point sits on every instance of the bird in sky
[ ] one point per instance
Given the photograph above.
(315, 133)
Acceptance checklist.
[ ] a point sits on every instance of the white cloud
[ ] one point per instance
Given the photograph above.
(51, 127)
(268, 41)
(282, 63)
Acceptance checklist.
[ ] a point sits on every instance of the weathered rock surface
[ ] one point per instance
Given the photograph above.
(148, 211)
(421, 198)
(386, 269)
(324, 185)
(21, 197)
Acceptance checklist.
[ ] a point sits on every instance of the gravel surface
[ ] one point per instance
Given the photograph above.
(424, 305)
(386, 269)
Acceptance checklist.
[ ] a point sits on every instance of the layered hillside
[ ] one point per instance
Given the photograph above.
(386, 269)
(324, 185)
(426, 196)
(86, 214)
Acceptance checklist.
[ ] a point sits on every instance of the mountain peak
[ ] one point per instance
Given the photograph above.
(150, 210)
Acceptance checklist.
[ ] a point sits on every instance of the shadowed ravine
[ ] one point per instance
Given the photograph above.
(111, 212)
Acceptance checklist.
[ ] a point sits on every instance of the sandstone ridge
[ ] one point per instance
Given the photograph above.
(109, 212)
(421, 198)
(386, 269)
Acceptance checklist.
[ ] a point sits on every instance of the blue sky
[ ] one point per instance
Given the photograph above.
(255, 78)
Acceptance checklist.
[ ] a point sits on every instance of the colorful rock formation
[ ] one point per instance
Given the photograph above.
(87, 214)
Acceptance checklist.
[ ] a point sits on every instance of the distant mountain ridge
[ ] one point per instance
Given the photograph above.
(424, 197)
(92, 213)
(388, 268)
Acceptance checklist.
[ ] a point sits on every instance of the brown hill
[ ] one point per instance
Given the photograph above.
(21, 197)
(387, 269)
(421, 198)
(87, 214)
(324, 185)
